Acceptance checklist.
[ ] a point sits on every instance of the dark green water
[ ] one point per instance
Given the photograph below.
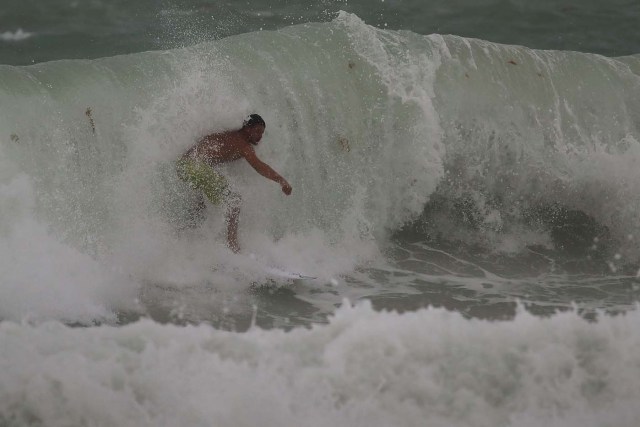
(56, 29)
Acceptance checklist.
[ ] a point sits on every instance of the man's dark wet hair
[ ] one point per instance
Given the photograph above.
(253, 120)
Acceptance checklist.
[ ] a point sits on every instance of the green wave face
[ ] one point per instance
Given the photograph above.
(369, 126)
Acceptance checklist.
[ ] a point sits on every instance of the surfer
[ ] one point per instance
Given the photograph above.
(198, 167)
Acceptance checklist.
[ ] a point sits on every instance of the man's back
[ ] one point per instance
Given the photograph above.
(219, 148)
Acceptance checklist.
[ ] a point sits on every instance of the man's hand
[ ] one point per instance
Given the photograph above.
(264, 169)
(286, 188)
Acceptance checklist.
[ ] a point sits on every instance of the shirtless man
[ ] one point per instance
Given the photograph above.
(198, 167)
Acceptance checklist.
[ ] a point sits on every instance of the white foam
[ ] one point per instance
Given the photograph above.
(16, 36)
(42, 277)
(430, 367)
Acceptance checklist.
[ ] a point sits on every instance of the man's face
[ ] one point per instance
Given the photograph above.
(255, 134)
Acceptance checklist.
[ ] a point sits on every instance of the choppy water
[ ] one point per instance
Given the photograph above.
(37, 30)
(486, 193)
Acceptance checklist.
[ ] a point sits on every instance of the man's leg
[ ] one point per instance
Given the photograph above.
(216, 188)
(233, 201)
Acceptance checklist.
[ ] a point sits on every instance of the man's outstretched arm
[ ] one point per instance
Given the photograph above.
(265, 170)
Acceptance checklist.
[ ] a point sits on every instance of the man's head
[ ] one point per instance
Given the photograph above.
(254, 127)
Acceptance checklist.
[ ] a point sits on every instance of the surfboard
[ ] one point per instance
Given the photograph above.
(280, 272)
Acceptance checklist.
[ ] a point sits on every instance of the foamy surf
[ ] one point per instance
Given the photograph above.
(430, 367)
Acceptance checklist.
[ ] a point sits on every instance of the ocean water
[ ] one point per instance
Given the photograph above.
(466, 193)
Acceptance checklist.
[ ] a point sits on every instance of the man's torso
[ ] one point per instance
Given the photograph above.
(218, 148)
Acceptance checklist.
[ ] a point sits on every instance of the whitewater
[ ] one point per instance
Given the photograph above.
(470, 210)
(429, 367)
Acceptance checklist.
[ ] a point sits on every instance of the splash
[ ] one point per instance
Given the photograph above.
(375, 129)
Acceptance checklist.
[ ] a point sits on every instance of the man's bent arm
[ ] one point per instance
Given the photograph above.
(263, 169)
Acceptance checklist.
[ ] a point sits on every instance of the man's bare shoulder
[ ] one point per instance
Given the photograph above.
(247, 150)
